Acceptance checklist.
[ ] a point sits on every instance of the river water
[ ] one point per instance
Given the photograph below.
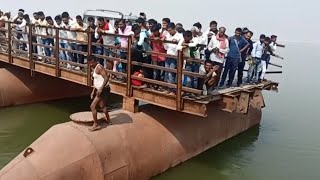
(284, 146)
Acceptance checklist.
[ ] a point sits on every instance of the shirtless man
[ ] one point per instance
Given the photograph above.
(100, 92)
(210, 79)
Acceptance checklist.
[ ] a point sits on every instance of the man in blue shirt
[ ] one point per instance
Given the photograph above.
(237, 44)
(244, 56)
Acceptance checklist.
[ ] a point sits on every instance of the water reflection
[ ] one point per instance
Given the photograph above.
(219, 162)
(21, 125)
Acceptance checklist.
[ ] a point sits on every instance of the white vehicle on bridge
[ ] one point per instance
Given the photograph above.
(110, 15)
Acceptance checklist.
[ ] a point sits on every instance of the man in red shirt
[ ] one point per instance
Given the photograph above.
(158, 46)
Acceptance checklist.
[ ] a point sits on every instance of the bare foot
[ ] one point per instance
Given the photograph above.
(108, 121)
(94, 128)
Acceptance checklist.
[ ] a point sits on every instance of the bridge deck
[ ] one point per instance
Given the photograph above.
(191, 106)
(236, 99)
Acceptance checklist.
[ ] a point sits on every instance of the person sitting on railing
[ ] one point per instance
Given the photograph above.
(172, 50)
(127, 31)
(219, 48)
(158, 60)
(100, 33)
(62, 34)
(71, 45)
(82, 38)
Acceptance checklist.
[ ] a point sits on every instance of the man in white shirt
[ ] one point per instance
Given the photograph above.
(203, 38)
(62, 34)
(189, 44)
(209, 33)
(35, 30)
(71, 36)
(172, 49)
(42, 30)
(219, 48)
(256, 54)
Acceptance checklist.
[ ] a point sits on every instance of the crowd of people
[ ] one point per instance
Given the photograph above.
(222, 55)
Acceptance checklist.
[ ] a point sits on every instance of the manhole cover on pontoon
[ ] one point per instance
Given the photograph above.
(84, 116)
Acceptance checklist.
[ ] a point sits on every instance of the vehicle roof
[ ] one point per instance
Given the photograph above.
(108, 14)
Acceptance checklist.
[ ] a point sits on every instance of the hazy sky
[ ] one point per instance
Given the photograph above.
(286, 18)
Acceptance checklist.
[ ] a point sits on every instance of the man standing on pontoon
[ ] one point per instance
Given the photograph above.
(100, 92)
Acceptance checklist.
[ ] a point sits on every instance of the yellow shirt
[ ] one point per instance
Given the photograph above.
(81, 36)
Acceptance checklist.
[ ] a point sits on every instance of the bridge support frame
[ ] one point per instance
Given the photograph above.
(130, 104)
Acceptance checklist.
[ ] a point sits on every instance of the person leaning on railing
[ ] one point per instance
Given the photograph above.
(82, 39)
(49, 41)
(104, 28)
(126, 30)
(174, 37)
(188, 45)
(159, 60)
(62, 34)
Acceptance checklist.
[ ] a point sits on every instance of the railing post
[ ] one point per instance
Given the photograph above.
(57, 52)
(10, 43)
(179, 81)
(31, 64)
(89, 52)
(129, 85)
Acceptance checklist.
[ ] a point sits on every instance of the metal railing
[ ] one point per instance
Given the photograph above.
(9, 43)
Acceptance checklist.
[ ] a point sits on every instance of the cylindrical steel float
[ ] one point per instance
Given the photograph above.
(18, 87)
(137, 146)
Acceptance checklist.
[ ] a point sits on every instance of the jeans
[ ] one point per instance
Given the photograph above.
(82, 48)
(48, 42)
(72, 56)
(229, 69)
(99, 50)
(219, 72)
(190, 81)
(170, 77)
(34, 47)
(63, 54)
(251, 71)
(257, 69)
(158, 74)
(240, 71)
